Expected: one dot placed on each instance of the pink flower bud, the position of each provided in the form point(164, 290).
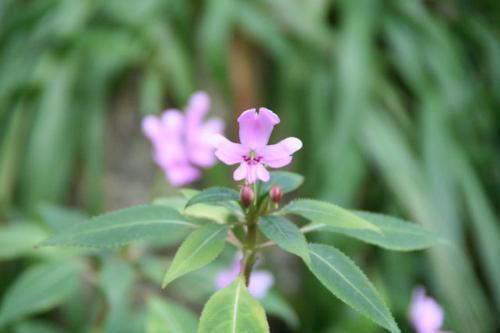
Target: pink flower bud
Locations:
point(276, 194)
point(246, 196)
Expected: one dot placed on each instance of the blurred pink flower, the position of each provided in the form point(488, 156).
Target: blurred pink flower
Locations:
point(425, 313)
point(254, 154)
point(181, 142)
point(260, 281)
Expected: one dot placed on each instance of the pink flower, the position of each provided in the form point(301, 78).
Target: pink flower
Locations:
point(260, 281)
point(181, 141)
point(425, 313)
point(254, 154)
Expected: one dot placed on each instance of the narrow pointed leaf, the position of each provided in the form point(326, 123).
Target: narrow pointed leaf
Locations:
point(285, 234)
point(214, 195)
point(166, 317)
point(346, 281)
point(198, 250)
point(40, 288)
point(396, 234)
point(124, 226)
point(233, 310)
point(326, 213)
point(287, 181)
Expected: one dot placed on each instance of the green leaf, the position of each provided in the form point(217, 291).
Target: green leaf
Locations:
point(198, 250)
point(167, 317)
point(199, 211)
point(233, 310)
point(396, 234)
point(285, 234)
point(40, 288)
point(275, 305)
point(19, 239)
point(124, 226)
point(287, 181)
point(36, 327)
point(326, 213)
point(59, 218)
point(117, 281)
point(346, 281)
point(214, 195)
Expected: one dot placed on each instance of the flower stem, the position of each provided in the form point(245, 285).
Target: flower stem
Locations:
point(250, 242)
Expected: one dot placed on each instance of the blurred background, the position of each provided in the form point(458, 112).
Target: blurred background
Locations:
point(397, 103)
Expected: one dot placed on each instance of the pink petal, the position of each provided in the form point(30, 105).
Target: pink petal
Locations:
point(200, 149)
point(279, 155)
point(181, 175)
point(425, 313)
point(197, 108)
point(262, 173)
point(260, 283)
point(228, 152)
point(256, 128)
point(252, 173)
point(241, 172)
point(172, 122)
point(151, 126)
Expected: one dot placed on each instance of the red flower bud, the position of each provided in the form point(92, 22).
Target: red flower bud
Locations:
point(276, 194)
point(246, 196)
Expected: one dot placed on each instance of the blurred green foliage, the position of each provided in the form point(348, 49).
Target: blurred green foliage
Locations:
point(396, 102)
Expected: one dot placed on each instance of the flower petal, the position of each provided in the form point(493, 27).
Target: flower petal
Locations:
point(425, 313)
point(198, 106)
point(279, 155)
point(256, 128)
point(252, 173)
point(262, 173)
point(172, 122)
point(241, 172)
point(199, 148)
point(151, 126)
point(228, 152)
point(182, 174)
point(260, 282)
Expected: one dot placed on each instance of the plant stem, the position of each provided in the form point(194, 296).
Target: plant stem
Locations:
point(249, 243)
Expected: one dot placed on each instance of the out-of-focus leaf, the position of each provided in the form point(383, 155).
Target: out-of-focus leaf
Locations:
point(40, 288)
point(214, 195)
point(285, 234)
point(287, 181)
point(276, 306)
point(485, 226)
point(167, 317)
point(54, 134)
point(346, 281)
point(327, 213)
point(59, 218)
point(233, 310)
point(452, 270)
point(117, 280)
point(151, 92)
point(19, 239)
point(395, 234)
point(124, 226)
point(36, 327)
point(198, 250)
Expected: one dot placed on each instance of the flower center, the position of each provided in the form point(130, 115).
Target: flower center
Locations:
point(252, 159)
